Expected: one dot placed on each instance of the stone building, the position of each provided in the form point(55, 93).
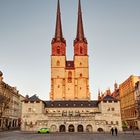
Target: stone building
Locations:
point(137, 102)
point(71, 116)
point(70, 108)
point(10, 106)
point(127, 93)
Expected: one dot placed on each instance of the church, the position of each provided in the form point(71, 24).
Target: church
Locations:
point(69, 79)
point(70, 108)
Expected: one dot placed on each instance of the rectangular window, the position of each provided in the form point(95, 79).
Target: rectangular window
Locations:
point(108, 109)
point(70, 113)
point(29, 109)
point(0, 122)
point(112, 109)
point(64, 113)
point(117, 122)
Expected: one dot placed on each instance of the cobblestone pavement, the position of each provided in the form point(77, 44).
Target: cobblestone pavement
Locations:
point(18, 135)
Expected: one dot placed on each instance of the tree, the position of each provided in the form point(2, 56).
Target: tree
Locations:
point(5, 99)
point(124, 125)
point(4, 104)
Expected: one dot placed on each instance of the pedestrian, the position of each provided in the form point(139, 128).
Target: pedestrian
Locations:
point(112, 131)
point(116, 131)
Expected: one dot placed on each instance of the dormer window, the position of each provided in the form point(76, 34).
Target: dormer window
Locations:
point(37, 101)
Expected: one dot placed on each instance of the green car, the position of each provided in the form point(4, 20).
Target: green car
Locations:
point(43, 130)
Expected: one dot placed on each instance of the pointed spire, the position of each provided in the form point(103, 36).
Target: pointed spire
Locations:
point(80, 30)
point(58, 29)
point(115, 86)
point(99, 94)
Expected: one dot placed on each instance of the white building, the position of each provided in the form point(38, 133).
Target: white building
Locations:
point(71, 116)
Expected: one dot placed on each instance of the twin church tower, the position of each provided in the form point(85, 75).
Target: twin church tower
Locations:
point(69, 79)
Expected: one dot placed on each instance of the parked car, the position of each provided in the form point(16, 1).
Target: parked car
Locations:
point(43, 130)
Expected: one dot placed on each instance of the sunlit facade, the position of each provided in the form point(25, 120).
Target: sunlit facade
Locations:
point(70, 108)
point(128, 101)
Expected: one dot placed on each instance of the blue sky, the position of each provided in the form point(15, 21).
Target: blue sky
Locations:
point(112, 28)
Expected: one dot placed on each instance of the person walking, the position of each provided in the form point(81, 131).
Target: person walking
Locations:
point(116, 131)
point(112, 131)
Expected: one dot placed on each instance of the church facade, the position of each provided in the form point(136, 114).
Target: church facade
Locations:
point(70, 108)
point(69, 79)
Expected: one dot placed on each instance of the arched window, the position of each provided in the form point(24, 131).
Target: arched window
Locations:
point(69, 74)
point(69, 77)
point(58, 50)
point(71, 128)
point(100, 130)
point(58, 63)
point(89, 128)
point(53, 128)
point(81, 50)
point(62, 128)
point(80, 128)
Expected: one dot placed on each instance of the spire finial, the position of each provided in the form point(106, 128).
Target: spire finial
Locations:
point(1, 78)
point(58, 28)
point(99, 94)
point(1, 74)
point(80, 30)
point(115, 86)
point(79, 7)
